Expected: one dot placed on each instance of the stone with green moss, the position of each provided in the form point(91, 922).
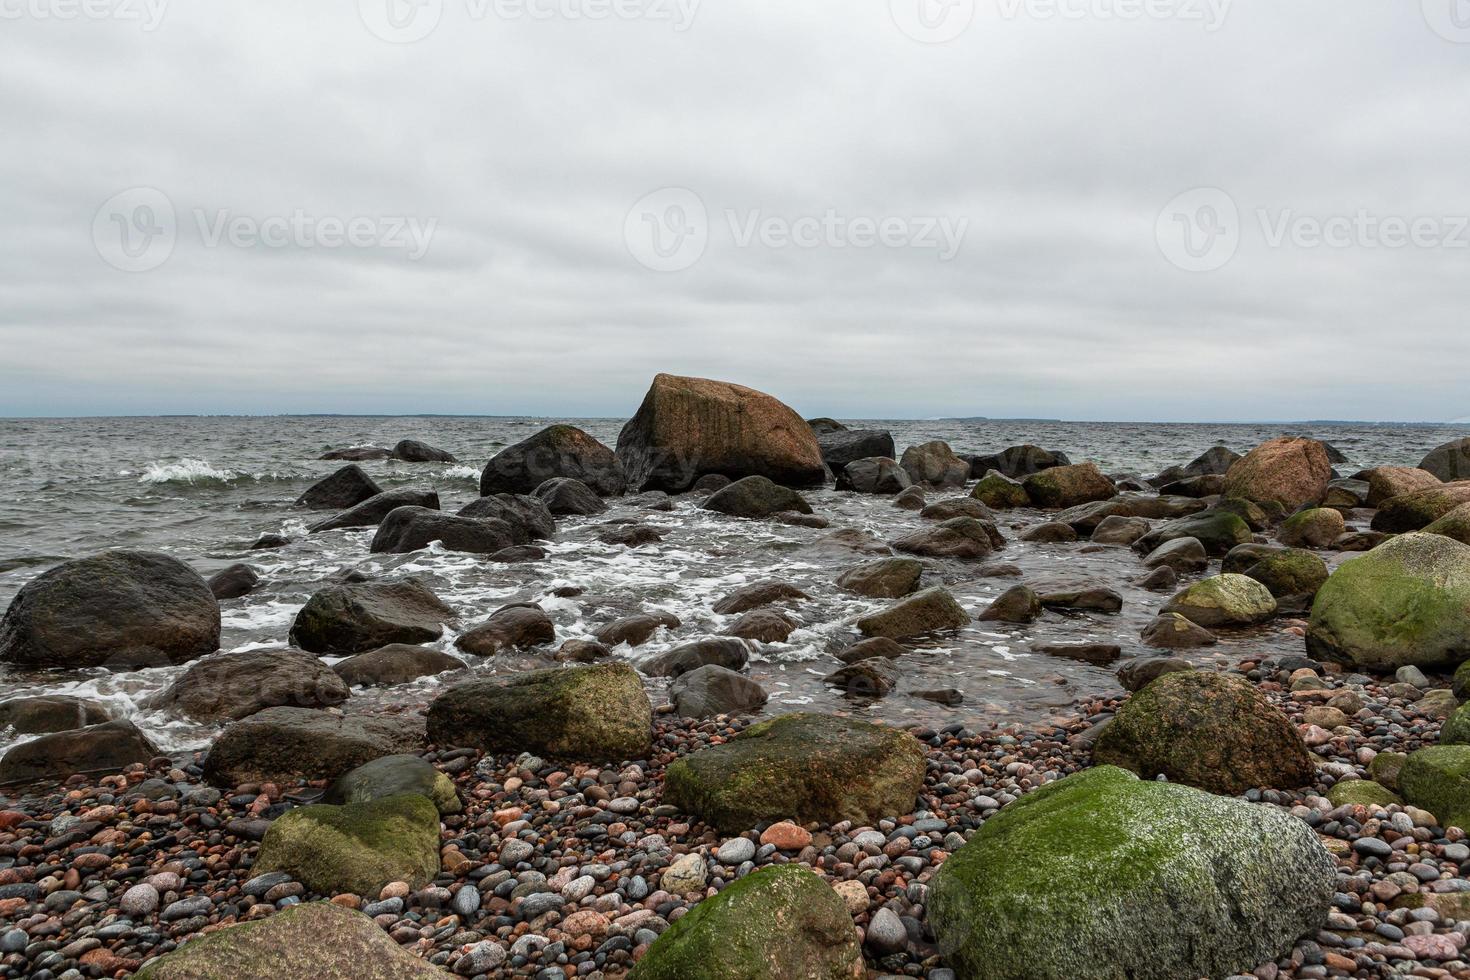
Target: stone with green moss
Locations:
point(595, 713)
point(1257, 515)
point(1456, 728)
point(1068, 486)
point(357, 848)
point(1455, 524)
point(1102, 875)
point(1437, 779)
point(394, 775)
point(1362, 792)
point(1418, 509)
point(927, 611)
point(1213, 731)
point(311, 941)
point(1000, 492)
point(1385, 769)
point(779, 923)
point(1460, 684)
point(803, 766)
point(1317, 527)
point(1224, 600)
point(1406, 602)
point(1289, 572)
point(1217, 530)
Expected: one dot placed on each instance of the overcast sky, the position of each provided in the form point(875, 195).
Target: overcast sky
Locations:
point(1086, 209)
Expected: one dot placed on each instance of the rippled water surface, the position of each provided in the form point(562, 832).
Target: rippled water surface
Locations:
point(203, 489)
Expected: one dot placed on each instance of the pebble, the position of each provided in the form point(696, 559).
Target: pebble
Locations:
point(736, 850)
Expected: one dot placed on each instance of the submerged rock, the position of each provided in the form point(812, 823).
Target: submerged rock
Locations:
point(556, 451)
point(410, 529)
point(1018, 604)
point(372, 511)
point(758, 594)
point(874, 677)
point(779, 923)
point(756, 497)
point(356, 848)
point(593, 713)
point(414, 451)
point(347, 487)
point(805, 767)
point(1138, 673)
point(928, 611)
point(233, 582)
point(117, 609)
point(637, 629)
point(396, 663)
point(1213, 731)
point(1102, 875)
point(363, 616)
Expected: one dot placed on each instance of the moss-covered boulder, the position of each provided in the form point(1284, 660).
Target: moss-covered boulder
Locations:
point(1318, 527)
point(1437, 779)
point(312, 941)
point(999, 492)
point(1456, 727)
point(1100, 876)
point(357, 848)
point(1405, 602)
point(1385, 769)
point(756, 497)
point(1455, 524)
point(596, 713)
point(1362, 792)
point(1387, 482)
point(1217, 530)
point(923, 612)
point(1288, 572)
point(1213, 731)
point(778, 923)
point(394, 775)
point(1068, 486)
point(1290, 471)
point(800, 766)
point(1417, 510)
point(1224, 600)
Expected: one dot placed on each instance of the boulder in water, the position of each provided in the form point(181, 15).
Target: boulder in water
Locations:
point(556, 451)
point(1000, 492)
point(372, 510)
point(565, 496)
point(1224, 600)
point(841, 448)
point(762, 626)
point(928, 611)
point(756, 497)
point(1102, 875)
point(1216, 530)
point(1068, 486)
point(357, 454)
point(410, 529)
point(396, 663)
point(637, 629)
point(1140, 672)
point(109, 747)
point(529, 515)
point(517, 627)
point(935, 466)
point(756, 595)
point(876, 475)
point(282, 744)
point(722, 651)
point(952, 507)
point(1185, 555)
point(1449, 462)
point(413, 451)
point(47, 713)
point(362, 616)
point(1290, 471)
point(1017, 462)
point(229, 686)
point(1018, 604)
point(233, 582)
point(1289, 572)
point(593, 713)
point(117, 609)
point(688, 427)
point(885, 578)
point(1387, 482)
point(959, 537)
point(347, 487)
point(715, 690)
point(1171, 631)
point(804, 767)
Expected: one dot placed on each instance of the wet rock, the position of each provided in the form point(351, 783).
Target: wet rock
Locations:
point(1171, 631)
point(347, 487)
point(1318, 527)
point(529, 515)
point(631, 535)
point(959, 537)
point(1138, 673)
point(357, 454)
point(886, 578)
point(372, 511)
point(910, 499)
point(1017, 462)
point(1000, 492)
point(1289, 572)
point(396, 663)
point(877, 646)
point(1290, 471)
point(1051, 532)
point(1217, 531)
point(952, 507)
point(1019, 604)
point(563, 496)
point(875, 475)
point(117, 609)
point(807, 767)
point(1224, 601)
point(1215, 461)
point(557, 451)
point(1068, 486)
point(1097, 654)
point(687, 427)
point(756, 497)
point(518, 627)
point(758, 594)
point(1213, 731)
point(1162, 579)
point(51, 713)
point(1186, 556)
point(839, 449)
point(928, 611)
point(1125, 877)
point(229, 686)
point(1449, 462)
point(233, 582)
point(108, 747)
point(355, 618)
point(871, 678)
point(410, 529)
point(1405, 602)
point(1387, 482)
point(583, 651)
point(935, 466)
point(269, 542)
point(728, 652)
point(637, 629)
point(714, 690)
point(414, 451)
point(593, 713)
point(394, 775)
point(763, 626)
point(1346, 495)
point(1080, 596)
point(1420, 508)
point(1116, 529)
point(284, 743)
point(357, 848)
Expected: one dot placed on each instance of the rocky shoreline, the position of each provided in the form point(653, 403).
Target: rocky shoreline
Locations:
point(592, 819)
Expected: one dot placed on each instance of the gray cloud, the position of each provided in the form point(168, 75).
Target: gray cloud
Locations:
point(1058, 140)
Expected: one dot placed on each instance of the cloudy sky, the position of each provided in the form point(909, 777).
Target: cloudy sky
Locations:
point(1087, 209)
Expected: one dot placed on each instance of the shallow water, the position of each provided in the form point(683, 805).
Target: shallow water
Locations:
point(203, 489)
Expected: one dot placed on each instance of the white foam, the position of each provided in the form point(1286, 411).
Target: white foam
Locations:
point(462, 472)
point(185, 471)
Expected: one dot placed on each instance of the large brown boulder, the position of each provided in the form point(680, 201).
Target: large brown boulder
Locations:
point(556, 451)
point(109, 747)
point(1068, 486)
point(1387, 482)
point(688, 427)
point(1418, 509)
point(362, 616)
point(1291, 471)
point(1449, 462)
point(934, 465)
point(117, 609)
point(234, 685)
point(281, 744)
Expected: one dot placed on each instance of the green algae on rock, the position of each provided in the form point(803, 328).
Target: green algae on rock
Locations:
point(801, 766)
point(1213, 731)
point(356, 848)
point(1224, 600)
point(1363, 792)
point(1406, 602)
point(1102, 875)
point(779, 923)
point(1437, 779)
point(312, 941)
point(1289, 572)
point(393, 775)
point(923, 612)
